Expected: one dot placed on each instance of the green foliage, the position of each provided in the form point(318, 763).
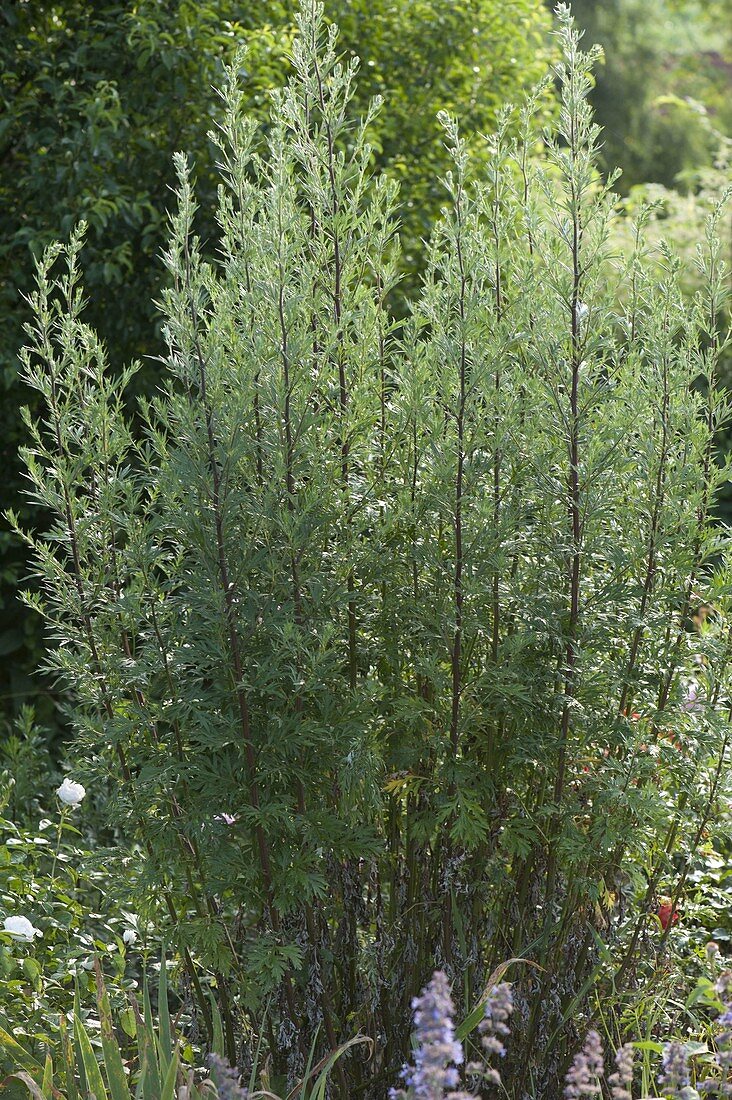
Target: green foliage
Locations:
point(663, 92)
point(49, 875)
point(679, 218)
point(25, 767)
point(425, 57)
point(140, 1057)
point(158, 1073)
point(397, 642)
point(95, 100)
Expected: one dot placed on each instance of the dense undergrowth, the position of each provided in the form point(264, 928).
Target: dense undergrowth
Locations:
point(394, 646)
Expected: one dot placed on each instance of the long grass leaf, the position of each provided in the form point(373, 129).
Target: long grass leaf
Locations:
point(18, 1054)
point(153, 1046)
point(168, 1092)
point(258, 1051)
point(47, 1086)
point(67, 1053)
point(33, 1087)
point(309, 1066)
point(166, 1034)
point(116, 1076)
point(77, 1049)
point(148, 1012)
point(474, 1017)
point(218, 1046)
point(36, 1090)
point(140, 1088)
point(150, 1076)
point(329, 1061)
point(92, 1072)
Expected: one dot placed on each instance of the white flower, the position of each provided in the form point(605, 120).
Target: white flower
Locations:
point(129, 936)
point(71, 793)
point(20, 928)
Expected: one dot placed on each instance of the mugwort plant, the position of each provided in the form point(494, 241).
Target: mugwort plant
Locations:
point(380, 630)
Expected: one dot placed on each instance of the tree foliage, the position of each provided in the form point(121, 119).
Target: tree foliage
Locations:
point(662, 93)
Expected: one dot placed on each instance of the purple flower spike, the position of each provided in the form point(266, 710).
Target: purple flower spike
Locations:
point(434, 1075)
point(621, 1081)
point(674, 1076)
point(583, 1079)
point(494, 1028)
point(226, 1078)
point(722, 1085)
point(724, 989)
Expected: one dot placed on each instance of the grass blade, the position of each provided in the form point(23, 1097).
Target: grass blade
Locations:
point(326, 1065)
point(309, 1066)
point(67, 1053)
point(140, 1089)
point(258, 1051)
point(47, 1086)
point(79, 1061)
point(116, 1075)
point(18, 1054)
point(166, 1034)
point(150, 1075)
point(474, 1017)
point(171, 1077)
point(217, 1045)
point(33, 1087)
point(92, 1072)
